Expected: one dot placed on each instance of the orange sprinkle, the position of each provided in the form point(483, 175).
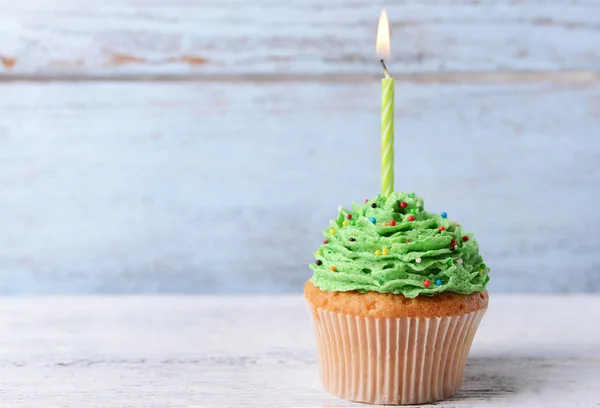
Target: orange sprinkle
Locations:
point(333, 269)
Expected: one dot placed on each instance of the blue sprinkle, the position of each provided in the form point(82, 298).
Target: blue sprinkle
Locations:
point(373, 220)
point(438, 282)
point(444, 215)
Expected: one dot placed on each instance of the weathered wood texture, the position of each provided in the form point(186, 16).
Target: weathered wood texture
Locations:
point(530, 351)
point(235, 36)
point(116, 187)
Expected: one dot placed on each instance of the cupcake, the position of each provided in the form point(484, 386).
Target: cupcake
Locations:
point(396, 296)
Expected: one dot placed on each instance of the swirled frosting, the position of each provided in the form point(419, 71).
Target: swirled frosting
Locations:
point(392, 245)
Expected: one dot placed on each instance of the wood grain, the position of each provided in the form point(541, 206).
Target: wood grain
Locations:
point(255, 351)
point(200, 187)
point(183, 37)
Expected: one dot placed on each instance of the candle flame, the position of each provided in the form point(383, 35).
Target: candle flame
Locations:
point(383, 37)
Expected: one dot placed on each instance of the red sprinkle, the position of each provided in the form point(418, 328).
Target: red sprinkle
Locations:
point(441, 228)
point(325, 242)
point(411, 218)
point(453, 243)
point(403, 204)
point(427, 283)
point(392, 223)
point(452, 248)
point(367, 200)
point(465, 238)
point(349, 216)
point(408, 241)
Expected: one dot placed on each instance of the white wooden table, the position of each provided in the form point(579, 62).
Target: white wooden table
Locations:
point(258, 351)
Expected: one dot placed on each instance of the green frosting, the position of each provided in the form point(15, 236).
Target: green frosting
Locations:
point(411, 258)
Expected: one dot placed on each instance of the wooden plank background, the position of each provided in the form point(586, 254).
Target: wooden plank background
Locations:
point(299, 36)
point(171, 146)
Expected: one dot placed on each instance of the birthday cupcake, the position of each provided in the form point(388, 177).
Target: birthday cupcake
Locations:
point(396, 297)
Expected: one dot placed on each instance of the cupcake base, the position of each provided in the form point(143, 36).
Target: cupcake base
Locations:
point(393, 360)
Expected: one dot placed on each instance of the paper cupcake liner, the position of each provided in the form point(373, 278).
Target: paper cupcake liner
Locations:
point(407, 360)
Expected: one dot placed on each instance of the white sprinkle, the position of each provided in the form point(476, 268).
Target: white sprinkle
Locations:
point(418, 260)
point(340, 208)
point(418, 204)
point(459, 261)
point(331, 221)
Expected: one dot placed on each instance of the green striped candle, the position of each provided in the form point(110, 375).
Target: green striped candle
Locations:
point(387, 109)
point(387, 135)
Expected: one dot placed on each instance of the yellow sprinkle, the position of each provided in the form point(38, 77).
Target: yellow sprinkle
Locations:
point(385, 224)
point(345, 223)
point(319, 252)
point(378, 252)
point(331, 231)
point(385, 251)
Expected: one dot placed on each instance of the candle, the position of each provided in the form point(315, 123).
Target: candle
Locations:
point(387, 108)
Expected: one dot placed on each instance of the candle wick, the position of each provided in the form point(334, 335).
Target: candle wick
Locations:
point(385, 71)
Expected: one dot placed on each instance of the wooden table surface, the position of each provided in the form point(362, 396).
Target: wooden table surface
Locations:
point(258, 351)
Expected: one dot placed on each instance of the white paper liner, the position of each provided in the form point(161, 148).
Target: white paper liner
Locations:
point(408, 360)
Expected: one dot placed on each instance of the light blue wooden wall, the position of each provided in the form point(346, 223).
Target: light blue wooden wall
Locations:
point(165, 146)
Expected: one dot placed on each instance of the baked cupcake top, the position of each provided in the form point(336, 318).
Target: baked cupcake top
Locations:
point(392, 245)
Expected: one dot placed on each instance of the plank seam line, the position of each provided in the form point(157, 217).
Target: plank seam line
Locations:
point(446, 77)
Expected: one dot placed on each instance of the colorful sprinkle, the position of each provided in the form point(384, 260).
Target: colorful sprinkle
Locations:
point(427, 283)
point(438, 282)
point(418, 204)
point(392, 223)
point(352, 222)
point(411, 218)
point(412, 211)
point(408, 241)
point(453, 243)
point(459, 261)
point(452, 248)
point(449, 262)
point(319, 252)
point(351, 239)
point(403, 204)
point(482, 266)
point(349, 216)
point(385, 224)
point(441, 228)
point(319, 262)
point(373, 205)
point(418, 260)
point(373, 220)
point(444, 214)
point(345, 223)
point(333, 269)
point(331, 231)
point(385, 251)
point(325, 242)
point(366, 200)
point(465, 238)
point(378, 252)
